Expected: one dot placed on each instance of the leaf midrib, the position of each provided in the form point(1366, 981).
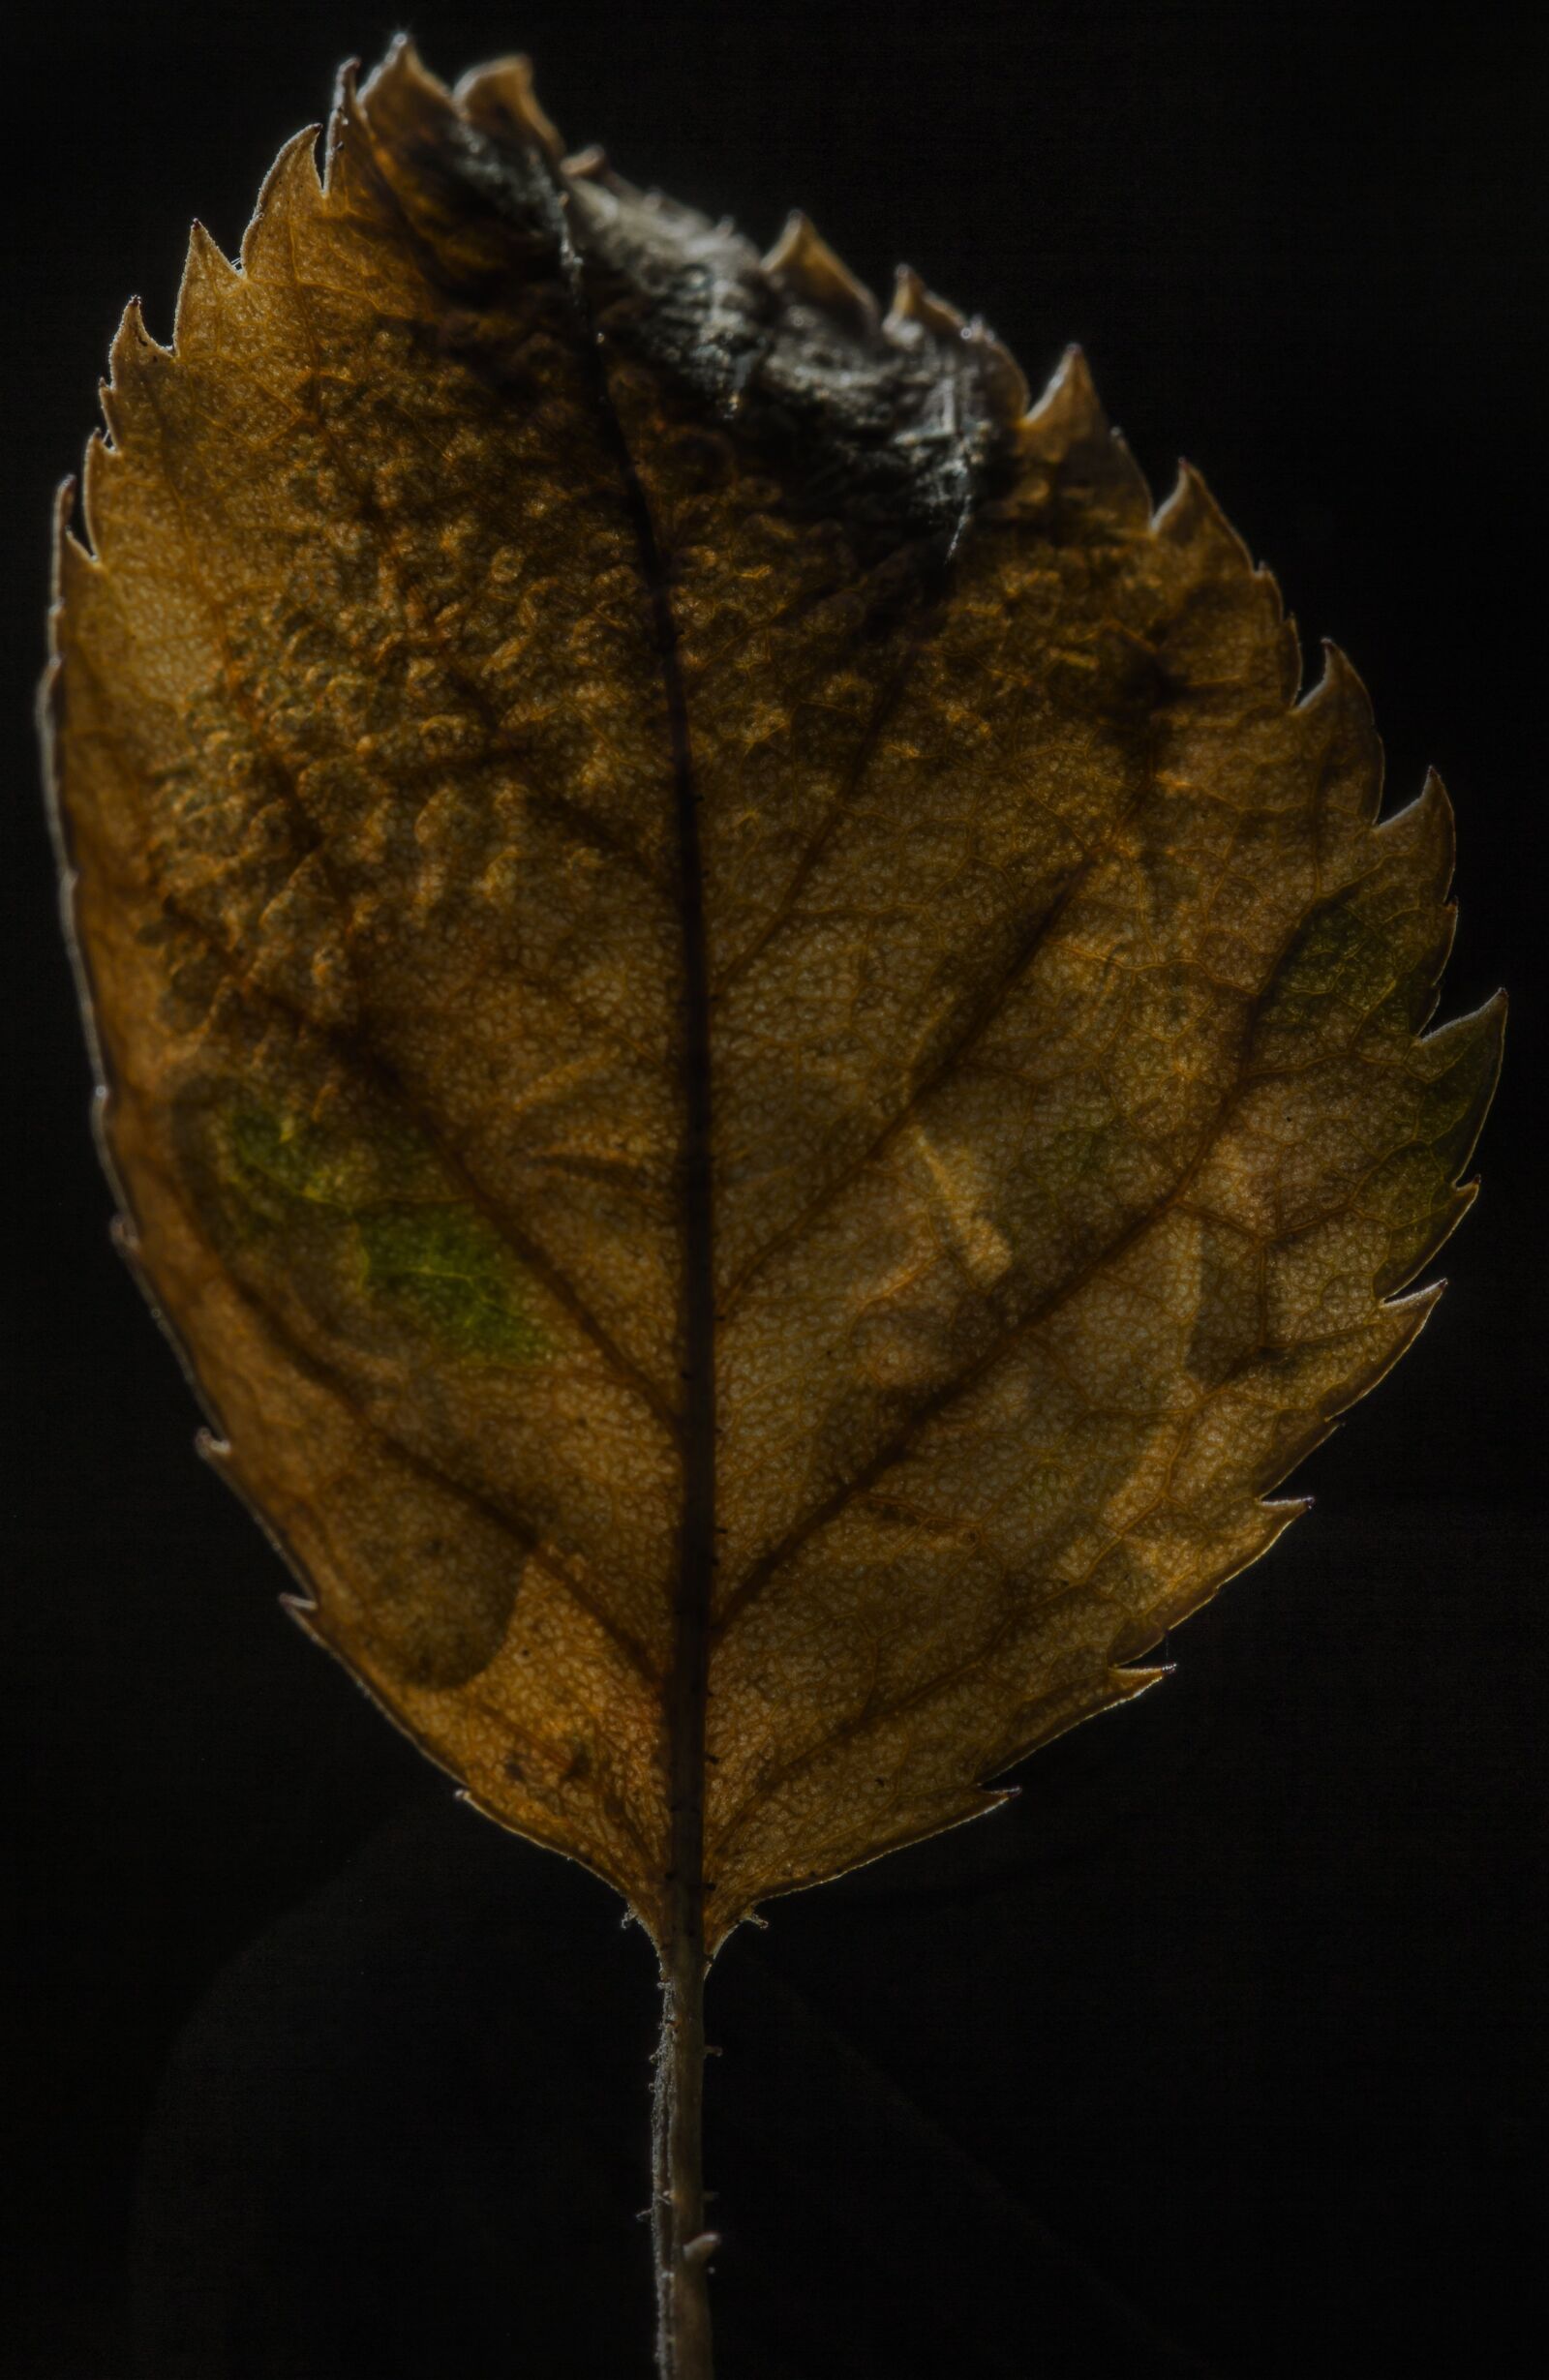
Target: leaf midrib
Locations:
point(685, 1696)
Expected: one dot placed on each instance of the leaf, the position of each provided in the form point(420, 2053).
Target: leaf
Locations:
point(768, 1069)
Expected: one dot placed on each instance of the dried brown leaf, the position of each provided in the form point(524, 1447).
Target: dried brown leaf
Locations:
point(768, 1068)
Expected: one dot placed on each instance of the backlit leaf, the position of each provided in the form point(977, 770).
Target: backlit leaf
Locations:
point(770, 1069)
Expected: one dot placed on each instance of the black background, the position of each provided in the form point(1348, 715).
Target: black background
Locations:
point(1220, 2051)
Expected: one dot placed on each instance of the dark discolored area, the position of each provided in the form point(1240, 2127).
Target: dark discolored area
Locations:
point(897, 430)
point(434, 1616)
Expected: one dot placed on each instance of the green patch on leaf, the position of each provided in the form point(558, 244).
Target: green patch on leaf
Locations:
point(446, 1264)
point(380, 1206)
point(277, 1160)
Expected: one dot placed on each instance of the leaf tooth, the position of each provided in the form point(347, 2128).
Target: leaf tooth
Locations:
point(1421, 1304)
point(1142, 1631)
point(72, 561)
point(1444, 1222)
point(1473, 1040)
point(403, 88)
point(342, 115)
point(1394, 1327)
point(98, 466)
point(914, 303)
point(1392, 1330)
point(1068, 433)
point(915, 311)
point(1124, 1683)
point(1469, 1047)
point(499, 97)
point(401, 113)
point(1289, 642)
point(588, 164)
point(1190, 514)
point(207, 258)
point(1425, 833)
point(1070, 408)
point(1339, 710)
point(303, 1609)
point(1433, 804)
point(804, 265)
point(208, 278)
point(1341, 685)
point(134, 360)
point(1001, 377)
point(290, 187)
point(1411, 1312)
point(131, 343)
point(1420, 840)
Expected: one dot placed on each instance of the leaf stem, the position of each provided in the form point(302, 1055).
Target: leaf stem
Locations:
point(683, 2246)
